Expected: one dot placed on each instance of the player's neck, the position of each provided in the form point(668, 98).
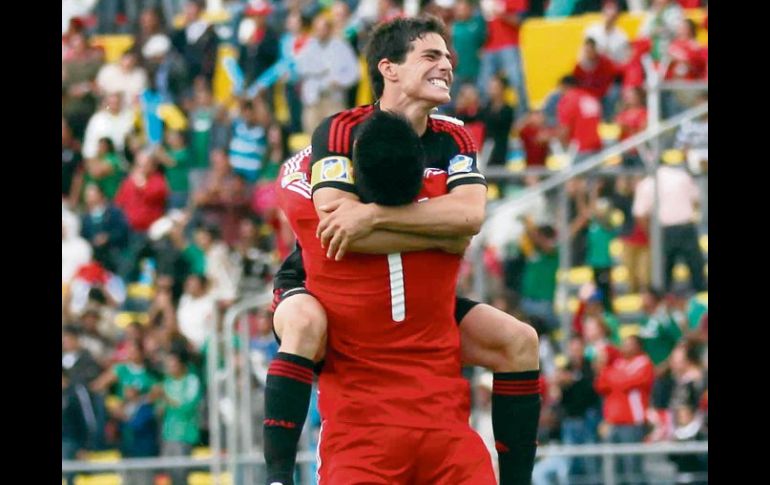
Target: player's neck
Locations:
point(415, 111)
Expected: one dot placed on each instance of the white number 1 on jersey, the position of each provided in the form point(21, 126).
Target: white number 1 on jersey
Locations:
point(397, 296)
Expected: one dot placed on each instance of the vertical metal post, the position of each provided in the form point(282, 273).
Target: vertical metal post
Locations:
point(608, 468)
point(565, 259)
point(215, 435)
point(479, 272)
point(232, 393)
point(653, 121)
point(247, 434)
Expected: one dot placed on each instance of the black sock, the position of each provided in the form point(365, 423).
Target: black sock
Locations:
point(287, 398)
point(515, 415)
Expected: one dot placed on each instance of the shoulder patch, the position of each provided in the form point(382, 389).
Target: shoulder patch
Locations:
point(450, 119)
point(460, 164)
point(332, 169)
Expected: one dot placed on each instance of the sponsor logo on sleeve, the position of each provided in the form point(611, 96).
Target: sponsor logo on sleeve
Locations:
point(333, 169)
point(460, 164)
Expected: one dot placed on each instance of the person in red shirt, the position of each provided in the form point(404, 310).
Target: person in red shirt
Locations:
point(501, 51)
point(596, 73)
point(142, 197)
point(579, 114)
point(392, 364)
point(535, 135)
point(626, 385)
point(687, 58)
point(632, 120)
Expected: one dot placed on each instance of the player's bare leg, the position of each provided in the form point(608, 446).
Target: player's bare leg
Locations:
point(508, 347)
point(300, 323)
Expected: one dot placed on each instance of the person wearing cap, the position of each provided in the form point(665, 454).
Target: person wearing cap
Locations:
point(259, 42)
point(165, 68)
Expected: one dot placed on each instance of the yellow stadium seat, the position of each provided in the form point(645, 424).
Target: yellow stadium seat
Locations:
point(580, 275)
point(703, 297)
point(620, 275)
point(609, 131)
point(704, 243)
point(140, 291)
point(561, 361)
point(628, 330)
point(114, 45)
point(106, 456)
point(613, 161)
point(201, 452)
point(99, 479)
point(123, 319)
point(298, 141)
point(616, 248)
point(617, 218)
point(493, 191)
point(205, 478)
point(628, 303)
point(556, 162)
point(681, 272)
point(516, 165)
point(558, 335)
point(673, 156)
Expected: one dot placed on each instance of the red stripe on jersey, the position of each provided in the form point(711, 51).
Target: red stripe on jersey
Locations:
point(360, 116)
point(339, 125)
point(460, 136)
point(290, 375)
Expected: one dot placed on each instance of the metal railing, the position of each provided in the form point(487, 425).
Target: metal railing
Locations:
point(608, 453)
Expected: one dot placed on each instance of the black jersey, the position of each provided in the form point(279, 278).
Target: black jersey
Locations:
point(447, 145)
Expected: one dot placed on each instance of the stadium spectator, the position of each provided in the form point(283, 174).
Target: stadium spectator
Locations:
point(197, 312)
point(660, 25)
point(591, 307)
point(251, 258)
point(600, 234)
point(112, 121)
point(467, 108)
point(626, 384)
point(501, 50)
point(538, 286)
point(218, 268)
point(174, 156)
point(74, 427)
point(75, 252)
point(327, 67)
point(469, 33)
point(149, 25)
point(498, 118)
point(578, 114)
point(632, 119)
point(92, 338)
point(581, 406)
point(202, 112)
point(124, 77)
point(92, 283)
point(197, 42)
point(610, 39)
point(686, 54)
point(693, 139)
point(134, 372)
point(166, 70)
point(181, 398)
point(535, 136)
point(138, 433)
point(259, 43)
point(80, 65)
point(215, 185)
point(678, 195)
point(659, 332)
point(248, 141)
point(105, 170)
point(597, 74)
point(80, 365)
point(71, 165)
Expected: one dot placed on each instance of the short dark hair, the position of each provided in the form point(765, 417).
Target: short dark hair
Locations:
point(569, 80)
point(388, 160)
point(393, 41)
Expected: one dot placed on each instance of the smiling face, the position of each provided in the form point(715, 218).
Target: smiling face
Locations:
point(426, 73)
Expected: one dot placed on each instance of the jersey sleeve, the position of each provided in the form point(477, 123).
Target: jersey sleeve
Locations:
point(462, 167)
point(331, 164)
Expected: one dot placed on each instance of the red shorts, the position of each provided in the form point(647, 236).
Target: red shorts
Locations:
point(391, 455)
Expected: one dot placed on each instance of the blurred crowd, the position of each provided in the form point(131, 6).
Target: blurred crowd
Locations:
point(169, 214)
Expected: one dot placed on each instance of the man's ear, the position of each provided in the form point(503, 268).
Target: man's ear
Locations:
point(388, 70)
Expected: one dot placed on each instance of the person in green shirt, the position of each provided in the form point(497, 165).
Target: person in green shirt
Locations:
point(538, 286)
point(134, 372)
point(600, 234)
point(180, 400)
point(469, 32)
point(175, 158)
point(659, 331)
point(106, 170)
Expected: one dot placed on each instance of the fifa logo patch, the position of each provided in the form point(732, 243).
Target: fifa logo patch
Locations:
point(460, 164)
point(335, 169)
